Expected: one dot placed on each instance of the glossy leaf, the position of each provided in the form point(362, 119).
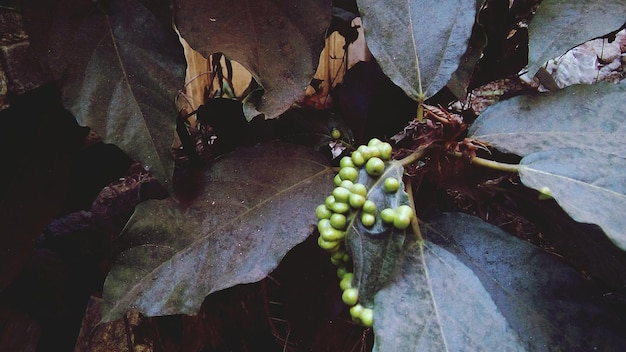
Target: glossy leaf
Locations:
point(589, 117)
point(279, 42)
point(255, 204)
point(376, 250)
point(561, 25)
point(589, 185)
point(471, 286)
point(399, 33)
point(120, 66)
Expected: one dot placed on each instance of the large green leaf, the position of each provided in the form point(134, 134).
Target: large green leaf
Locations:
point(278, 41)
point(253, 206)
point(473, 287)
point(120, 65)
point(559, 25)
point(589, 185)
point(583, 116)
point(376, 249)
point(398, 32)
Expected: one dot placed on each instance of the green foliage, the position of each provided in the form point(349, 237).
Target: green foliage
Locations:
point(465, 285)
point(278, 42)
point(561, 25)
point(246, 212)
point(121, 67)
point(474, 287)
point(400, 31)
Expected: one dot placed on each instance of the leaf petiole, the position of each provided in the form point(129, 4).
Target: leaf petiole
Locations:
point(496, 165)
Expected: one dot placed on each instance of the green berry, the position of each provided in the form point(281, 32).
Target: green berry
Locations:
point(402, 220)
point(369, 207)
point(346, 281)
point(329, 201)
point(385, 150)
point(340, 207)
point(327, 245)
point(357, 158)
point(350, 296)
point(338, 221)
point(341, 272)
point(335, 133)
point(356, 310)
point(337, 180)
point(347, 184)
point(391, 184)
point(332, 234)
point(365, 151)
point(374, 142)
point(368, 219)
point(341, 194)
point(322, 212)
point(375, 167)
point(360, 189)
point(388, 215)
point(346, 161)
point(545, 193)
point(367, 317)
point(349, 173)
point(356, 200)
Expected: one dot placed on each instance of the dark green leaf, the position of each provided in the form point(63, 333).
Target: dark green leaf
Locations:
point(254, 205)
point(120, 65)
point(376, 250)
point(398, 32)
point(561, 25)
point(473, 287)
point(279, 42)
point(590, 186)
point(583, 116)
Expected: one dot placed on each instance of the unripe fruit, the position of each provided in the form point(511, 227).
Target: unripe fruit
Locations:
point(369, 207)
point(332, 234)
point(356, 200)
point(338, 221)
point(322, 212)
point(368, 219)
point(329, 201)
point(336, 134)
point(341, 194)
point(349, 173)
point(403, 217)
point(350, 296)
point(545, 193)
point(374, 142)
point(357, 158)
point(391, 184)
point(388, 215)
point(405, 209)
point(347, 184)
point(360, 189)
point(385, 150)
point(340, 207)
point(323, 225)
point(356, 310)
point(341, 272)
point(346, 281)
point(365, 151)
point(327, 245)
point(346, 161)
point(375, 167)
point(367, 317)
point(337, 180)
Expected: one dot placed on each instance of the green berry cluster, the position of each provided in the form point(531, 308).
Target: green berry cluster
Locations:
point(349, 203)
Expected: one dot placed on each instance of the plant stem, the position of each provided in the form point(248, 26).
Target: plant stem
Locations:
point(412, 157)
point(496, 165)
